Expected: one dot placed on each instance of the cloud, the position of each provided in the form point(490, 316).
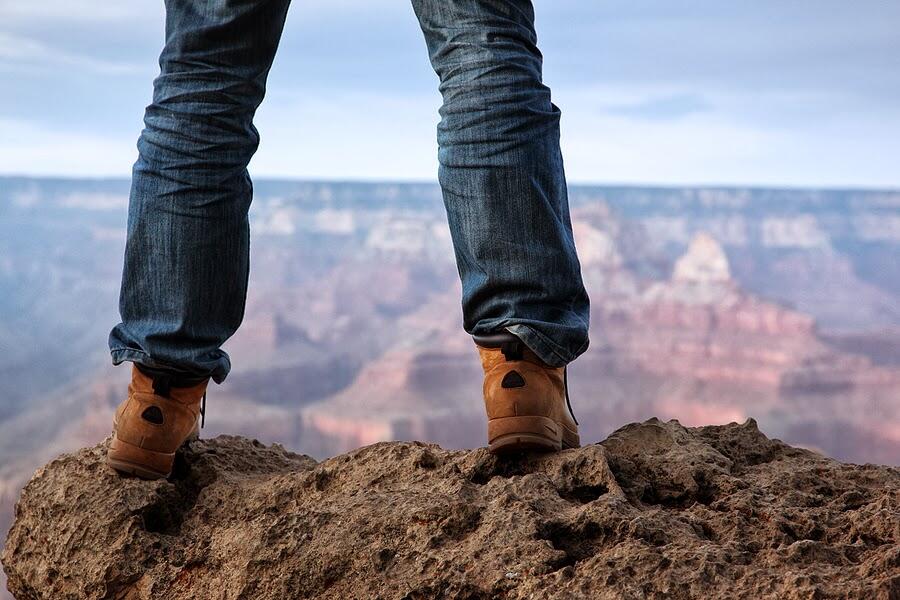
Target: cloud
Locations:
point(21, 53)
point(767, 92)
point(105, 13)
point(68, 11)
point(663, 108)
point(746, 47)
point(727, 144)
point(358, 135)
point(32, 149)
point(381, 137)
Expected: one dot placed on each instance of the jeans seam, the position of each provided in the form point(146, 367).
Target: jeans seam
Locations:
point(135, 351)
point(555, 348)
point(126, 349)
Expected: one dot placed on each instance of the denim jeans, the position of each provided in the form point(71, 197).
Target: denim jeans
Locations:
point(501, 171)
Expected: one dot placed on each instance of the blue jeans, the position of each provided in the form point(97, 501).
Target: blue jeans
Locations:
point(501, 171)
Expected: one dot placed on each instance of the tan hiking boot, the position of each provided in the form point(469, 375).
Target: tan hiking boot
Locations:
point(152, 424)
point(526, 401)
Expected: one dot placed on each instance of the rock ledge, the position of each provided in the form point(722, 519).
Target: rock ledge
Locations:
point(657, 510)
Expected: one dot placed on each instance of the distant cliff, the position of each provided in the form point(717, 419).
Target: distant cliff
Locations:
point(657, 510)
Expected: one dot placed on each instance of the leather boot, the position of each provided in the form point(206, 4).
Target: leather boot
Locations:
point(526, 401)
point(153, 422)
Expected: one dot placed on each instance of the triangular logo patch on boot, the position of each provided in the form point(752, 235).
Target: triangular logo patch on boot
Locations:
point(513, 380)
point(153, 414)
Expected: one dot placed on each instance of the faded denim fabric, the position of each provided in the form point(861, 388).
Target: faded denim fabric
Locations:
point(186, 266)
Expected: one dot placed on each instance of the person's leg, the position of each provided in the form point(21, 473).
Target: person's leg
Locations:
point(187, 253)
point(501, 173)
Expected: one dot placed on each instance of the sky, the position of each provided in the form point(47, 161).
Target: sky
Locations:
point(801, 93)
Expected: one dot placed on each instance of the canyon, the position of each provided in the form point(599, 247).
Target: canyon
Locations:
point(708, 305)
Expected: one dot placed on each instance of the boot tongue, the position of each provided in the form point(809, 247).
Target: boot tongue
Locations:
point(513, 349)
point(162, 385)
point(178, 387)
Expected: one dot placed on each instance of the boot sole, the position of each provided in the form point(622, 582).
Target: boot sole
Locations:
point(133, 460)
point(518, 434)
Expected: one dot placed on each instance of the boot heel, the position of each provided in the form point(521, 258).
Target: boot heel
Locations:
point(513, 434)
point(134, 460)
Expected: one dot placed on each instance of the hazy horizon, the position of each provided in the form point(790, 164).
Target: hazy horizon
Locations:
point(126, 179)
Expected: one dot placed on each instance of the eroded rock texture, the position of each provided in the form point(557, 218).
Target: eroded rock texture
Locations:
point(655, 511)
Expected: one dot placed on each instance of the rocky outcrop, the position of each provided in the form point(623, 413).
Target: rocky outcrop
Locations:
point(704, 262)
point(655, 511)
